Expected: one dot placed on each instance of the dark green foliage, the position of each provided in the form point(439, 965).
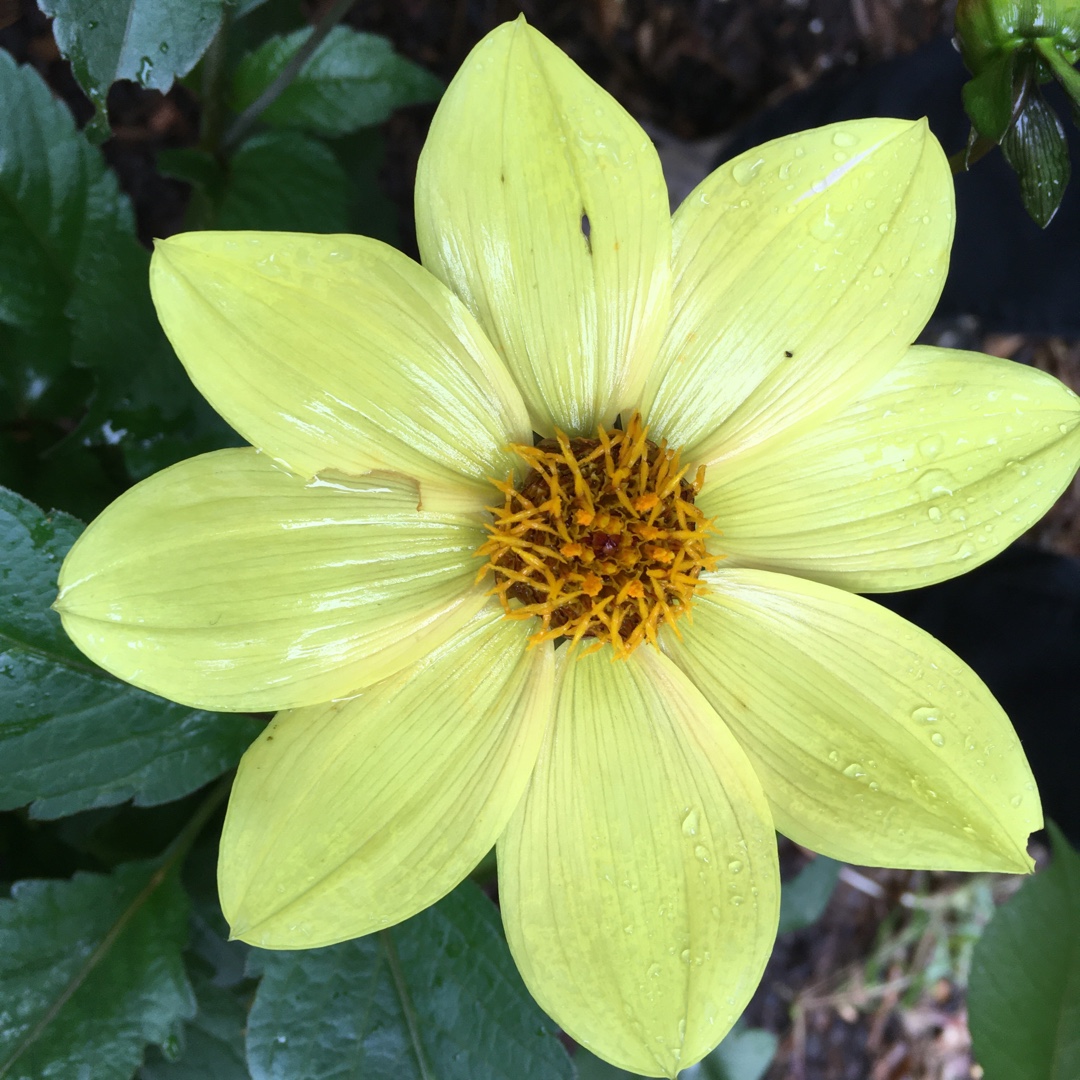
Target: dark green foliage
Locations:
point(1024, 993)
point(351, 81)
point(90, 972)
point(150, 42)
point(441, 987)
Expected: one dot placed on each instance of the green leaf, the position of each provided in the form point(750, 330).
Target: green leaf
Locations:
point(90, 972)
point(71, 736)
point(150, 42)
point(352, 80)
point(371, 212)
point(744, 1054)
point(441, 987)
point(803, 899)
point(988, 98)
point(1024, 992)
point(51, 185)
point(284, 180)
point(74, 287)
point(211, 1046)
point(1035, 147)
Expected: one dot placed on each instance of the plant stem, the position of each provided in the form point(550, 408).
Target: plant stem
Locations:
point(243, 124)
point(187, 836)
point(962, 160)
point(213, 87)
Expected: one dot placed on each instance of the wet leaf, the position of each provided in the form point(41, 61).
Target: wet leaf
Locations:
point(1035, 147)
point(94, 965)
point(441, 986)
point(150, 42)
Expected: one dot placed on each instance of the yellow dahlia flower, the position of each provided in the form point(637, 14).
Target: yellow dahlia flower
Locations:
point(440, 490)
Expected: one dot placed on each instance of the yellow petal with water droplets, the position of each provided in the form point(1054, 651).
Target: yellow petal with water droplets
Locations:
point(875, 744)
point(340, 355)
point(351, 816)
point(225, 582)
point(638, 879)
point(541, 202)
point(930, 472)
point(803, 271)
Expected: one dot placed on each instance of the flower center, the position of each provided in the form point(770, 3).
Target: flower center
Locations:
point(600, 540)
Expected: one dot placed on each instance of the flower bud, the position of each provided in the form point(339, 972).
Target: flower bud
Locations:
point(985, 29)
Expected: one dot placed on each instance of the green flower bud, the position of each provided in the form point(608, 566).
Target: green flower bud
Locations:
point(985, 29)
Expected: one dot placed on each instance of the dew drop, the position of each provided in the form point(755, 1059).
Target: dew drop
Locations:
point(930, 446)
point(146, 69)
point(702, 853)
point(934, 513)
point(744, 170)
point(844, 138)
point(736, 900)
point(937, 739)
point(854, 771)
point(734, 866)
point(690, 824)
point(825, 228)
point(654, 971)
point(684, 956)
point(1016, 800)
point(925, 715)
point(834, 756)
point(874, 786)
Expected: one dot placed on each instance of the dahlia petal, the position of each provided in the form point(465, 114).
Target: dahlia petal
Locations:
point(339, 354)
point(225, 582)
point(874, 743)
point(351, 816)
point(638, 878)
point(930, 472)
point(803, 271)
point(542, 203)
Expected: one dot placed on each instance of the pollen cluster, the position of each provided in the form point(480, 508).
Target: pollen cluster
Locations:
point(600, 540)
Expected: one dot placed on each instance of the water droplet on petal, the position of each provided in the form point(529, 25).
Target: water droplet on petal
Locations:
point(690, 824)
point(734, 866)
point(937, 739)
point(745, 169)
